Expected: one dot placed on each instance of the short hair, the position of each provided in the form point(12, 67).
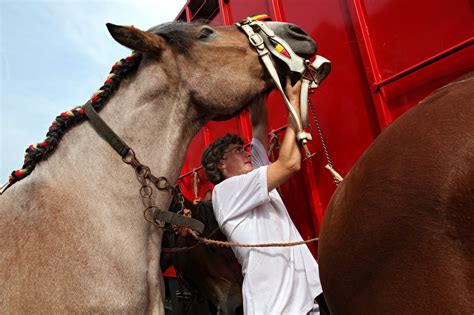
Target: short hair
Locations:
point(214, 153)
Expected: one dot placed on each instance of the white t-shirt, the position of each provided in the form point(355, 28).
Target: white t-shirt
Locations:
point(277, 280)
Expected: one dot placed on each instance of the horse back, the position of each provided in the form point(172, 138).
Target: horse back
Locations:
point(397, 235)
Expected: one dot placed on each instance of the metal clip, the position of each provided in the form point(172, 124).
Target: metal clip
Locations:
point(309, 155)
point(335, 175)
point(255, 39)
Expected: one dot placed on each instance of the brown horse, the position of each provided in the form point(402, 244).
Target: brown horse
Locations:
point(213, 272)
point(73, 237)
point(398, 233)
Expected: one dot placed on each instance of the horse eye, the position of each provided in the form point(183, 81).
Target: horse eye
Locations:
point(205, 32)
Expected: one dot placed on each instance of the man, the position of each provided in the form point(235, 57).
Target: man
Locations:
point(277, 280)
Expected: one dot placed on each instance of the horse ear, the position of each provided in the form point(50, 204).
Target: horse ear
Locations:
point(136, 39)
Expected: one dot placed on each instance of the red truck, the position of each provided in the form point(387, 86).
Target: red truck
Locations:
point(386, 55)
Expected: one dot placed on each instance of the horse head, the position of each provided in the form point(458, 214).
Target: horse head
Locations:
point(205, 61)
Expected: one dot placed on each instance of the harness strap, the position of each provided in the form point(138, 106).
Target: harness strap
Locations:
point(315, 73)
point(176, 219)
point(259, 43)
point(105, 131)
point(301, 135)
point(123, 149)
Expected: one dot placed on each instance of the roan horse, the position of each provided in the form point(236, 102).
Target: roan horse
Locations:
point(398, 233)
point(73, 234)
point(213, 272)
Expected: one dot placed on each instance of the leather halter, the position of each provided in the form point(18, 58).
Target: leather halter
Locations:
point(128, 156)
point(267, 45)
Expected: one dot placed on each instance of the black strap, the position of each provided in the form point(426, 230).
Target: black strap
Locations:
point(105, 131)
point(122, 148)
point(176, 219)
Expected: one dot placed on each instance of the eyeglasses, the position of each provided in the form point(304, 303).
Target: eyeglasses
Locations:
point(239, 149)
point(236, 149)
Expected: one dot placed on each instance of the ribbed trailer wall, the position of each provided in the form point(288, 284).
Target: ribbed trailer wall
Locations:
point(387, 55)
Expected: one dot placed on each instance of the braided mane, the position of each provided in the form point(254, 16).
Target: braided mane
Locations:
point(40, 151)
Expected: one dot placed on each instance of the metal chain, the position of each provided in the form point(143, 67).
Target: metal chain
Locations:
point(211, 242)
point(320, 132)
point(144, 176)
point(335, 175)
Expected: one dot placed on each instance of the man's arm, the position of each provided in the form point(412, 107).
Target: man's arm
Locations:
point(289, 159)
point(258, 117)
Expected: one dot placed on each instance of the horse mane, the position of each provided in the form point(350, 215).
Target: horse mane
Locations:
point(180, 35)
point(66, 120)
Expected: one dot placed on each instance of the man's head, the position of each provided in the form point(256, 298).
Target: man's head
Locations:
point(224, 158)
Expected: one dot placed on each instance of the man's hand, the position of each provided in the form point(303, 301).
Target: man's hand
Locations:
point(293, 94)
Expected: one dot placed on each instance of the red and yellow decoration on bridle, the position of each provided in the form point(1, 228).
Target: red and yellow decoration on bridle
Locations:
point(266, 18)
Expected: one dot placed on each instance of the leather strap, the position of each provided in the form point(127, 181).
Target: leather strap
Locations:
point(176, 219)
point(260, 43)
point(122, 148)
point(105, 131)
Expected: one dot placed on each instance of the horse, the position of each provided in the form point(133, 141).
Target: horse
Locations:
point(213, 272)
point(397, 236)
point(73, 238)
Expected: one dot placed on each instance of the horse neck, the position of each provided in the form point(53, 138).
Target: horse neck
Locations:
point(151, 113)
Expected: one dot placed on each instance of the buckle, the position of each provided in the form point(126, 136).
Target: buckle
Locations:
point(256, 39)
point(259, 17)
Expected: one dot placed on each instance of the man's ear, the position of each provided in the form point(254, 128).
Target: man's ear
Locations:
point(221, 166)
point(136, 39)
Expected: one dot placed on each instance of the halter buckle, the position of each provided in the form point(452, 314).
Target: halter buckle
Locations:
point(255, 39)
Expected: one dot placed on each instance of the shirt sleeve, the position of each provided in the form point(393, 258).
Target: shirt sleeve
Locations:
point(239, 194)
point(259, 155)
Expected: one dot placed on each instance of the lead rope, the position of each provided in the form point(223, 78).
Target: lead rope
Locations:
point(210, 242)
point(329, 166)
point(274, 144)
point(183, 231)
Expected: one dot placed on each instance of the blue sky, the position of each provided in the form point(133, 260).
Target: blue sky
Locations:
point(54, 55)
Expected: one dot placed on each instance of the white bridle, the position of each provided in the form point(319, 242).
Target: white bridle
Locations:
point(312, 73)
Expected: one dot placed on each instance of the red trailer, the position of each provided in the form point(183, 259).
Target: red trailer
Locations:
point(386, 56)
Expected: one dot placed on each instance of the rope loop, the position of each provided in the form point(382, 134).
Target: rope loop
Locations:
point(274, 143)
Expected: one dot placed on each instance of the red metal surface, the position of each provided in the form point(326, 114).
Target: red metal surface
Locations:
point(459, 47)
point(380, 102)
point(403, 33)
point(370, 43)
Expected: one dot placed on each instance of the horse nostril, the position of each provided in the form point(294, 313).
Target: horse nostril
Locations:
point(296, 29)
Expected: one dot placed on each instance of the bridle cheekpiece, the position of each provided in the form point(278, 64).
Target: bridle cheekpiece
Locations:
point(268, 45)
